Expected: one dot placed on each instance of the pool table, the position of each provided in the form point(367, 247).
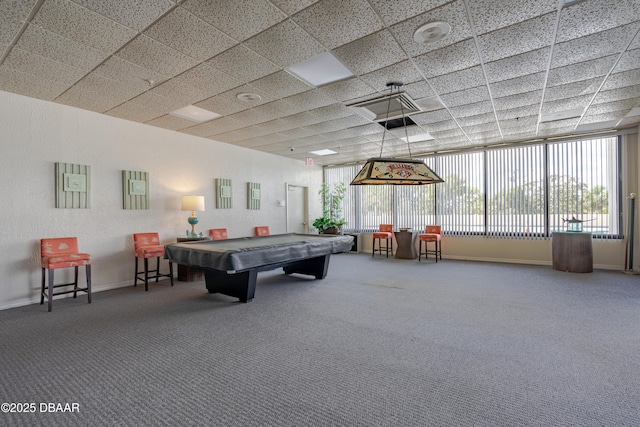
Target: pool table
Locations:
point(231, 266)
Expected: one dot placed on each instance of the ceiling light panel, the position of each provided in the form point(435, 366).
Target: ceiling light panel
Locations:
point(196, 114)
point(321, 70)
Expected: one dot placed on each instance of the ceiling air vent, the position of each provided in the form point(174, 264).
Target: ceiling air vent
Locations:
point(398, 104)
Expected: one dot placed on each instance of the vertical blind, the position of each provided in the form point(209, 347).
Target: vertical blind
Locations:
point(524, 192)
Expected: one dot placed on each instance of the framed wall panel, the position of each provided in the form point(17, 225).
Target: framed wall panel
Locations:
point(253, 195)
point(135, 190)
point(73, 186)
point(223, 193)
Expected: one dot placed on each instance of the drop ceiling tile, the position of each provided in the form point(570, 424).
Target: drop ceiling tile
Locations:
point(9, 28)
point(171, 122)
point(608, 119)
point(309, 100)
point(190, 35)
point(617, 94)
point(519, 38)
point(160, 104)
point(448, 134)
point(252, 116)
point(635, 44)
point(214, 127)
point(280, 84)
point(230, 16)
point(490, 15)
point(151, 54)
point(587, 17)
point(471, 109)
point(593, 46)
point(78, 23)
point(228, 103)
point(18, 82)
point(403, 72)
point(137, 14)
point(371, 129)
point(452, 58)
point(432, 117)
point(440, 126)
point(17, 10)
point(518, 65)
point(420, 89)
point(117, 69)
point(208, 81)
point(628, 61)
point(392, 14)
point(312, 140)
point(285, 44)
point(626, 78)
point(452, 13)
point(571, 90)
point(178, 91)
point(581, 71)
point(97, 93)
point(292, 6)
point(133, 111)
point(348, 90)
point(476, 120)
point(623, 105)
point(39, 41)
point(337, 22)
point(41, 68)
point(519, 100)
point(518, 124)
point(516, 85)
point(276, 109)
point(370, 53)
point(559, 126)
point(243, 63)
point(514, 113)
point(566, 104)
point(467, 96)
point(296, 133)
point(459, 80)
point(520, 136)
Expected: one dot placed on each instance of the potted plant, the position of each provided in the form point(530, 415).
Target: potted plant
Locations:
point(331, 221)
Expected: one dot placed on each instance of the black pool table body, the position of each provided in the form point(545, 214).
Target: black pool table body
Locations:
point(231, 266)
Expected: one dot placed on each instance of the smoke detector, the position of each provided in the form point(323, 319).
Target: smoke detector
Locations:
point(248, 97)
point(431, 32)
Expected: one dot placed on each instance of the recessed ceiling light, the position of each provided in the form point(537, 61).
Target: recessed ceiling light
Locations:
point(588, 127)
point(320, 70)
point(431, 32)
point(196, 114)
point(248, 97)
point(561, 115)
point(418, 138)
point(324, 152)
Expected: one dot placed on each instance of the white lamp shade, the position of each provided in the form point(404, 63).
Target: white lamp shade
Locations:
point(193, 203)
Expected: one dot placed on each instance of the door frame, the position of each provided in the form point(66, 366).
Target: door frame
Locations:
point(305, 196)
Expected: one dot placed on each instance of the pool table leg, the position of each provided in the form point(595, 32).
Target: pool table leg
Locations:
point(239, 285)
point(317, 266)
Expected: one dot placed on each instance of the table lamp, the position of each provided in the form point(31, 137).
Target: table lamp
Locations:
point(193, 204)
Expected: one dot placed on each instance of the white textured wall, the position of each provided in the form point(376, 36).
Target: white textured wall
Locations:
point(35, 134)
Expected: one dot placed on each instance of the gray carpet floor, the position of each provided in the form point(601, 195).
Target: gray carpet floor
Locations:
point(379, 342)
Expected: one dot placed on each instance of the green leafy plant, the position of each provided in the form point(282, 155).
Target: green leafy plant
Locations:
point(331, 196)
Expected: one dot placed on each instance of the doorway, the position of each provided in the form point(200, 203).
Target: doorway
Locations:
point(297, 209)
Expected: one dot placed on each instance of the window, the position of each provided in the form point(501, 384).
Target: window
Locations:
point(524, 191)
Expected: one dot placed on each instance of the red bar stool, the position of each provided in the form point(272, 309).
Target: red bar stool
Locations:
point(62, 252)
point(147, 245)
point(386, 234)
point(432, 233)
